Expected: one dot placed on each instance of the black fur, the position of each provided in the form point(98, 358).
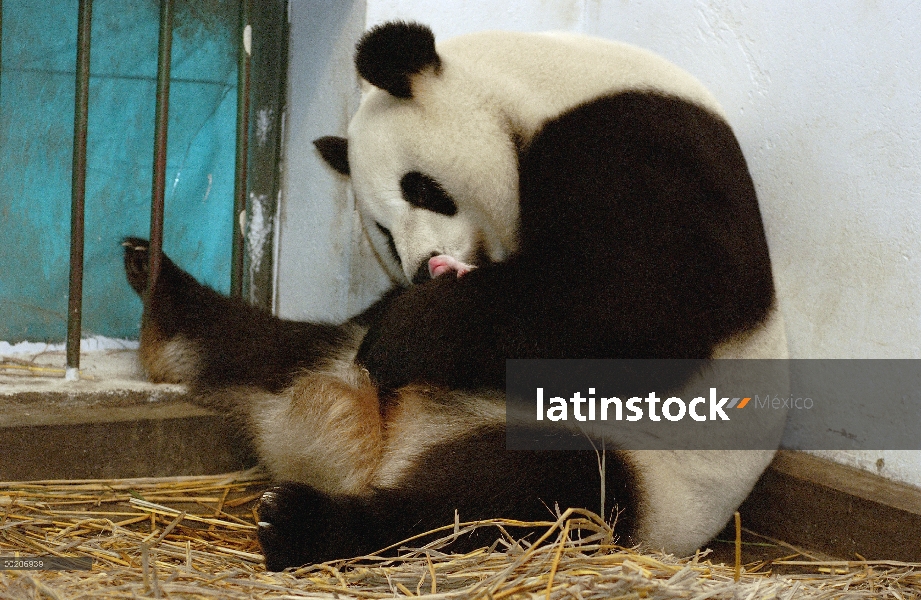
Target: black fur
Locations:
point(640, 237)
point(335, 151)
point(389, 54)
point(240, 344)
point(476, 476)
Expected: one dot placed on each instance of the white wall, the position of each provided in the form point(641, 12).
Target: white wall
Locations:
point(325, 268)
point(826, 104)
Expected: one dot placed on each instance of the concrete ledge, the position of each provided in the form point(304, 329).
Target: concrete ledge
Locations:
point(111, 424)
point(129, 448)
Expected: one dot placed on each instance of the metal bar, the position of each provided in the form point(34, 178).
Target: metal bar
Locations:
point(78, 189)
point(268, 69)
point(161, 122)
point(244, 55)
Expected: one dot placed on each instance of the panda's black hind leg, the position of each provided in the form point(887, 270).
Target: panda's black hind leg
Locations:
point(177, 304)
point(282, 524)
point(474, 478)
point(176, 327)
point(299, 525)
point(190, 333)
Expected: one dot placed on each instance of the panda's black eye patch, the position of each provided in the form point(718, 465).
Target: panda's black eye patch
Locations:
point(422, 191)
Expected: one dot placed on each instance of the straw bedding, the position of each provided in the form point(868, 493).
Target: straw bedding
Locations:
point(194, 537)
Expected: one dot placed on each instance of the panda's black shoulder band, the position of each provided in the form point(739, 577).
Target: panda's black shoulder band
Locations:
point(389, 54)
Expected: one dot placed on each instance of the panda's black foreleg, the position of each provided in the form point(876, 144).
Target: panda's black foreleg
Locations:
point(192, 334)
point(458, 332)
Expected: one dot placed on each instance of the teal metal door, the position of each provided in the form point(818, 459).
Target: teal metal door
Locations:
point(36, 136)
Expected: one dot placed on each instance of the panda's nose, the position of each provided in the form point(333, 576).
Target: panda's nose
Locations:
point(422, 273)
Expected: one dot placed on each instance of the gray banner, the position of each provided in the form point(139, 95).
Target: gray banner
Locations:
point(810, 404)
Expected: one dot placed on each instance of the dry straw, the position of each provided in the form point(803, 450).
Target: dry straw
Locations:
point(193, 537)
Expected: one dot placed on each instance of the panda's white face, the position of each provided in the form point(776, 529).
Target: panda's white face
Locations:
point(437, 172)
point(433, 148)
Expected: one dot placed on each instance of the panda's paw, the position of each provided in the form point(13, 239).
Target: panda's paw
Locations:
point(137, 263)
point(296, 526)
point(282, 522)
point(416, 340)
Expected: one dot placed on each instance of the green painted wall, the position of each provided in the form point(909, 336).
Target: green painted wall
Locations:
point(36, 137)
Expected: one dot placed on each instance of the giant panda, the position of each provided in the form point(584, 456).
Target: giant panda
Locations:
point(542, 196)
point(600, 183)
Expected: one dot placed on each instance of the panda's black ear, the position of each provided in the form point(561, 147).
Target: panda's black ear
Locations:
point(335, 151)
point(389, 54)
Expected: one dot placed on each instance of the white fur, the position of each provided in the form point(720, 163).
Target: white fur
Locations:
point(327, 430)
point(462, 124)
point(689, 495)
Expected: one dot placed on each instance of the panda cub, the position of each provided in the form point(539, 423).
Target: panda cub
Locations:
point(542, 196)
